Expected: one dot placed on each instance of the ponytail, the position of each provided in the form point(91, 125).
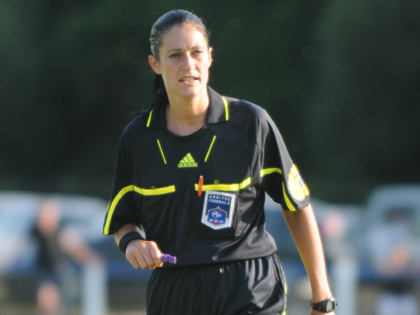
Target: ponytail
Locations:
point(160, 97)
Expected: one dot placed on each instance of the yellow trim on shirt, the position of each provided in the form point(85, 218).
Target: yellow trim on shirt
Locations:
point(267, 171)
point(226, 108)
point(211, 146)
point(150, 118)
point(286, 198)
point(154, 191)
point(161, 151)
point(226, 187)
point(142, 191)
point(113, 204)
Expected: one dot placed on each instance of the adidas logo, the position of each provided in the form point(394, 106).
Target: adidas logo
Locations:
point(187, 161)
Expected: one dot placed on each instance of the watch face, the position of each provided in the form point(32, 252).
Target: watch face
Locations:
point(330, 306)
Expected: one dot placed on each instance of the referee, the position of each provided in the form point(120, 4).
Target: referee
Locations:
point(190, 179)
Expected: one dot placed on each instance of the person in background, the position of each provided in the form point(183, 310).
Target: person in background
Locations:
point(55, 246)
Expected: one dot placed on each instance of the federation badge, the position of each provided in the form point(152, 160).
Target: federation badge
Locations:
point(296, 185)
point(218, 210)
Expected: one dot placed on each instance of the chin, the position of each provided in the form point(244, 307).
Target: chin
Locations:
point(192, 92)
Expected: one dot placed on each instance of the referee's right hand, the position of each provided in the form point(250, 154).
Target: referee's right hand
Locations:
point(143, 254)
point(140, 253)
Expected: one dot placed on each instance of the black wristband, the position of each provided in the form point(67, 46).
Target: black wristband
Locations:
point(127, 238)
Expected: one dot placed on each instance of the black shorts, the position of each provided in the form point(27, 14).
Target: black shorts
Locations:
point(256, 286)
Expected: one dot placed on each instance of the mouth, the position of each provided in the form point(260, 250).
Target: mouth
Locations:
point(188, 79)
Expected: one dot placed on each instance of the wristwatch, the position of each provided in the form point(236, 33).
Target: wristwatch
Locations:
point(328, 305)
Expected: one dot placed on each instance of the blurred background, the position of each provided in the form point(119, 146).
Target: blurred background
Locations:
point(341, 80)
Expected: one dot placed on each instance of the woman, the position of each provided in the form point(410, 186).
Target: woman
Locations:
point(190, 180)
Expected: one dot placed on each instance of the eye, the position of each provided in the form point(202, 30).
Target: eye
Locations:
point(175, 55)
point(198, 52)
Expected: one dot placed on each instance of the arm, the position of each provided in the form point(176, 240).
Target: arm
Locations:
point(73, 244)
point(304, 230)
point(141, 254)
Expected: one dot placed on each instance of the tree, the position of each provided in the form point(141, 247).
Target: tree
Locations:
point(364, 111)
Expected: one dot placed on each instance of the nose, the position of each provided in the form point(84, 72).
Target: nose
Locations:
point(189, 63)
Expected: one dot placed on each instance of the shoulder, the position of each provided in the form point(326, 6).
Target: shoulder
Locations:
point(248, 123)
point(247, 116)
point(136, 126)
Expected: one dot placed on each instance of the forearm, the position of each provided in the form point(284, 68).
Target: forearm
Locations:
point(304, 230)
point(74, 245)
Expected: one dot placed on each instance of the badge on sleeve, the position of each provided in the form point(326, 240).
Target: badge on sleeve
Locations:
point(296, 185)
point(218, 210)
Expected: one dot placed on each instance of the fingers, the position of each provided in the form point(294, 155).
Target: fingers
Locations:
point(155, 254)
point(143, 254)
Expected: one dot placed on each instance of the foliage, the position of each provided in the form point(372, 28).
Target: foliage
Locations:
point(340, 79)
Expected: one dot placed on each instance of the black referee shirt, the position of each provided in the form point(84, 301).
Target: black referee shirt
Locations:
point(239, 153)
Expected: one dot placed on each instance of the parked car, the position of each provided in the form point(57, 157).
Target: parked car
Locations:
point(390, 255)
point(392, 235)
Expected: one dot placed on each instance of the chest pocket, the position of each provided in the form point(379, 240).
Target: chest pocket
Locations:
point(225, 192)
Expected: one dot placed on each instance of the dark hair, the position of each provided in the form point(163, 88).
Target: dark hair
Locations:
point(161, 26)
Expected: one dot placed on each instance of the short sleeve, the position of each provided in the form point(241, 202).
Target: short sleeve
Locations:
point(122, 208)
point(280, 176)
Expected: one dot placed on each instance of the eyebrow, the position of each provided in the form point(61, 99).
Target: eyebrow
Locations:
point(175, 49)
point(179, 49)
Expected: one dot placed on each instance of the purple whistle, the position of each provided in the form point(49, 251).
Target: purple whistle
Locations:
point(166, 258)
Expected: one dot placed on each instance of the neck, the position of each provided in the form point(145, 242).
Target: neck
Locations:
point(186, 116)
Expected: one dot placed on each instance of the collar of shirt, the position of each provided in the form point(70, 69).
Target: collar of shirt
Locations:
point(216, 112)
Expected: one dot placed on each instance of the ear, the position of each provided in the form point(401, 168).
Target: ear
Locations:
point(154, 63)
point(210, 56)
